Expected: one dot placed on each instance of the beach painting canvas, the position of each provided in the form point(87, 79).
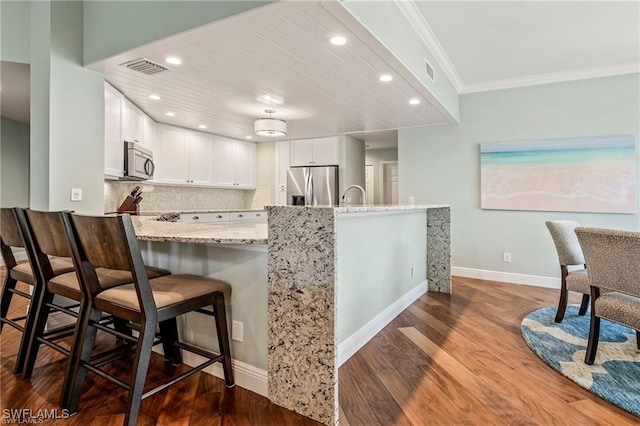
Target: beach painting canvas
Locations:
point(590, 174)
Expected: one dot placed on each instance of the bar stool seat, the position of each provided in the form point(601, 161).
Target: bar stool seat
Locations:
point(23, 271)
point(67, 285)
point(168, 292)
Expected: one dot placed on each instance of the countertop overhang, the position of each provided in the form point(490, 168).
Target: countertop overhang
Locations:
point(149, 229)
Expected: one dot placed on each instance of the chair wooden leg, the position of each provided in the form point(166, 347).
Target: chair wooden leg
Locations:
point(223, 338)
point(139, 375)
point(594, 336)
point(562, 303)
point(39, 324)
point(81, 349)
point(169, 334)
point(7, 295)
point(28, 334)
point(584, 305)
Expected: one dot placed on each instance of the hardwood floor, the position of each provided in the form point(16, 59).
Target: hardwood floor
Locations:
point(461, 359)
point(447, 359)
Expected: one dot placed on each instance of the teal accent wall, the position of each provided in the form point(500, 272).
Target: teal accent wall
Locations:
point(15, 17)
point(113, 27)
point(375, 254)
point(245, 269)
point(67, 112)
point(14, 163)
point(442, 165)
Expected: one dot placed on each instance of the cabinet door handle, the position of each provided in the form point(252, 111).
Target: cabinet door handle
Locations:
point(219, 216)
point(258, 215)
point(195, 218)
point(240, 215)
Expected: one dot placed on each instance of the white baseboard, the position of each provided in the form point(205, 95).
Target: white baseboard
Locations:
point(21, 255)
point(357, 340)
point(507, 277)
point(245, 375)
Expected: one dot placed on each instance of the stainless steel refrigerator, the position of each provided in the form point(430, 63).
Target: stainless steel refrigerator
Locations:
point(312, 186)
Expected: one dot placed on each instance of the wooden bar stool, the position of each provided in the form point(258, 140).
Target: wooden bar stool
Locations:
point(46, 238)
point(110, 242)
point(11, 237)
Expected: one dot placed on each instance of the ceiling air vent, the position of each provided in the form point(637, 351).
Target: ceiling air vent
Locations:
point(144, 66)
point(429, 69)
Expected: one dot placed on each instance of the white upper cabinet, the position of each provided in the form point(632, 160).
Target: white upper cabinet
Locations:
point(201, 170)
point(113, 144)
point(315, 152)
point(235, 163)
point(131, 122)
point(187, 157)
point(149, 133)
point(172, 164)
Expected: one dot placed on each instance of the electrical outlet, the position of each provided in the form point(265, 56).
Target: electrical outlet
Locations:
point(411, 199)
point(76, 194)
point(237, 331)
point(506, 257)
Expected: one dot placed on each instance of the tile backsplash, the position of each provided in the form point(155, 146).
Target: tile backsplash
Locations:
point(162, 198)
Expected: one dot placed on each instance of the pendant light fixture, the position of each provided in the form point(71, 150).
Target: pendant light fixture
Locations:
point(271, 127)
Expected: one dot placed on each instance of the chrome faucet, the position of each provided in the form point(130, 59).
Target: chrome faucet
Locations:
point(344, 194)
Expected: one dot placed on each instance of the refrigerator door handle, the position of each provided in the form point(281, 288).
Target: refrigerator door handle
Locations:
point(308, 188)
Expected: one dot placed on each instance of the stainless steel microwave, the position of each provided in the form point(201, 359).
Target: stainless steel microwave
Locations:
point(138, 162)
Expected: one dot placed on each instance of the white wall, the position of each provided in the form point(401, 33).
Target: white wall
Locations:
point(441, 165)
point(14, 163)
point(373, 157)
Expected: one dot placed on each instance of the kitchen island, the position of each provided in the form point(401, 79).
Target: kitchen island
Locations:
point(327, 280)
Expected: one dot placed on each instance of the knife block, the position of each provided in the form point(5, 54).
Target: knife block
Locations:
point(128, 206)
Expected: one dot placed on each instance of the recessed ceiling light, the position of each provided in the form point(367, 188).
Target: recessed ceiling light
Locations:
point(338, 40)
point(414, 101)
point(248, 137)
point(385, 78)
point(202, 126)
point(170, 114)
point(173, 60)
point(154, 97)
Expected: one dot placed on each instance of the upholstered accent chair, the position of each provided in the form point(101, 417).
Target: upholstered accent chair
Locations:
point(612, 256)
point(570, 255)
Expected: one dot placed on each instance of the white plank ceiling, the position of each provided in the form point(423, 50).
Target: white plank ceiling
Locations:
point(279, 52)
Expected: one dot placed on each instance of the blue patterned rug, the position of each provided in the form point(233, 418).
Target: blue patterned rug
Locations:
point(614, 376)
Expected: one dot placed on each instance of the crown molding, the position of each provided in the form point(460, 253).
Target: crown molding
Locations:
point(550, 78)
point(411, 13)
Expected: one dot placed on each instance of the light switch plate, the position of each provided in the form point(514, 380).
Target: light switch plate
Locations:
point(76, 194)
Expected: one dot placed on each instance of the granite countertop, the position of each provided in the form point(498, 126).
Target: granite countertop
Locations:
point(376, 208)
point(148, 229)
point(158, 213)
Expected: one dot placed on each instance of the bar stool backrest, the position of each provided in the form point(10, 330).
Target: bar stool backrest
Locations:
point(9, 228)
point(48, 238)
point(109, 242)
